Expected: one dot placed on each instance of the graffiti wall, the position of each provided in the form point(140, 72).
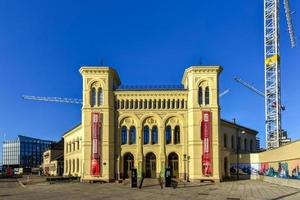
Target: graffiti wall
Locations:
point(283, 169)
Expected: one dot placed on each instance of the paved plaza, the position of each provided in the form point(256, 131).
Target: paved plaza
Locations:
point(248, 189)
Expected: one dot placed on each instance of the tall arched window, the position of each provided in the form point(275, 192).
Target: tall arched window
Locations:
point(200, 96)
point(127, 104)
point(100, 97)
point(159, 104)
point(177, 135)
point(168, 104)
point(154, 135)
point(131, 104)
point(141, 104)
point(136, 104)
point(150, 104)
point(77, 165)
point(206, 96)
point(93, 97)
point(118, 104)
point(70, 166)
point(232, 142)
point(66, 166)
point(132, 135)
point(173, 103)
point(124, 135)
point(182, 104)
point(177, 103)
point(73, 165)
point(122, 104)
point(168, 135)
point(154, 104)
point(225, 141)
point(145, 104)
point(164, 104)
point(146, 135)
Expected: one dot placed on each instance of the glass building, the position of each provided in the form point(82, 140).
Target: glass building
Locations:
point(24, 152)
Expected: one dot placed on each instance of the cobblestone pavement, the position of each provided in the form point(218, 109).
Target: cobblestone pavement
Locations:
point(247, 189)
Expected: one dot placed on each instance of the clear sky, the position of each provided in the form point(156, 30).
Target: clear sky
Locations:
point(44, 43)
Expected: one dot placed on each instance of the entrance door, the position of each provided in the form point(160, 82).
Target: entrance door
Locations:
point(150, 165)
point(173, 164)
point(128, 165)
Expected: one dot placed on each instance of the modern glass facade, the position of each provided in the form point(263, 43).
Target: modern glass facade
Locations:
point(25, 152)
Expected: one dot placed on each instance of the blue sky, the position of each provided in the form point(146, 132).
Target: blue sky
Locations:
point(44, 43)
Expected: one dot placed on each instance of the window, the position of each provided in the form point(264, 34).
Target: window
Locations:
point(136, 104)
point(168, 134)
point(77, 144)
point(206, 96)
point(178, 104)
point(200, 96)
point(173, 104)
point(77, 165)
point(232, 142)
point(118, 104)
point(251, 145)
point(73, 165)
point(124, 135)
point(122, 104)
point(132, 135)
point(177, 135)
point(127, 104)
point(150, 104)
point(146, 135)
point(141, 104)
point(245, 145)
point(93, 97)
point(225, 141)
point(154, 104)
point(159, 104)
point(168, 104)
point(145, 104)
point(239, 143)
point(131, 104)
point(66, 166)
point(182, 104)
point(164, 104)
point(100, 97)
point(154, 135)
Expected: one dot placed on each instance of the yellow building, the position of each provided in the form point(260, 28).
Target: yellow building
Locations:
point(153, 128)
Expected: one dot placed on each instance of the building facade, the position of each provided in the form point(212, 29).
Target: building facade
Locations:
point(53, 159)
point(24, 152)
point(150, 128)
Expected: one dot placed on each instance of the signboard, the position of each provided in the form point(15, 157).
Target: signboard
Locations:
point(96, 128)
point(206, 137)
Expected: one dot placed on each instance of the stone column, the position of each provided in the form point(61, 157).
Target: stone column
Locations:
point(172, 136)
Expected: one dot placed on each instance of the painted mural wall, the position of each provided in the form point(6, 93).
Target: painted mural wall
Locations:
point(283, 169)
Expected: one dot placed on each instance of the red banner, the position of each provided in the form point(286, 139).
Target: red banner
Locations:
point(206, 137)
point(96, 127)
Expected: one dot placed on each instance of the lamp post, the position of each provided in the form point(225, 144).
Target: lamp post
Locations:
point(184, 166)
point(188, 171)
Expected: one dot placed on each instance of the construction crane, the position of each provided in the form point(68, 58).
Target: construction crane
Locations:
point(75, 100)
point(53, 99)
point(272, 68)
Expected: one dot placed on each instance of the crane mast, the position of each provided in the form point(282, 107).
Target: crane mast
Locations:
point(272, 73)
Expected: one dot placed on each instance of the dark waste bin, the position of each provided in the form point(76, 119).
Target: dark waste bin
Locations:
point(133, 178)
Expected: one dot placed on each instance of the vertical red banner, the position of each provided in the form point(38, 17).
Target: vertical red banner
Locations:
point(96, 127)
point(206, 137)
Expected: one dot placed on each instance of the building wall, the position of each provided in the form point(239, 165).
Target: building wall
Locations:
point(73, 152)
point(125, 116)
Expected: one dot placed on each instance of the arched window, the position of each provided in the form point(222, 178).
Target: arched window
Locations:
point(131, 104)
point(164, 104)
point(182, 104)
point(173, 103)
point(232, 142)
point(73, 165)
point(100, 97)
point(118, 104)
point(206, 96)
point(93, 97)
point(124, 135)
point(154, 104)
point(70, 166)
point(77, 165)
point(168, 134)
point(132, 135)
point(150, 104)
point(141, 104)
point(127, 104)
point(200, 96)
point(136, 104)
point(66, 166)
point(154, 135)
point(225, 141)
point(178, 104)
point(251, 145)
point(67, 148)
point(168, 104)
point(245, 145)
point(146, 135)
point(122, 104)
point(159, 104)
point(145, 104)
point(177, 135)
